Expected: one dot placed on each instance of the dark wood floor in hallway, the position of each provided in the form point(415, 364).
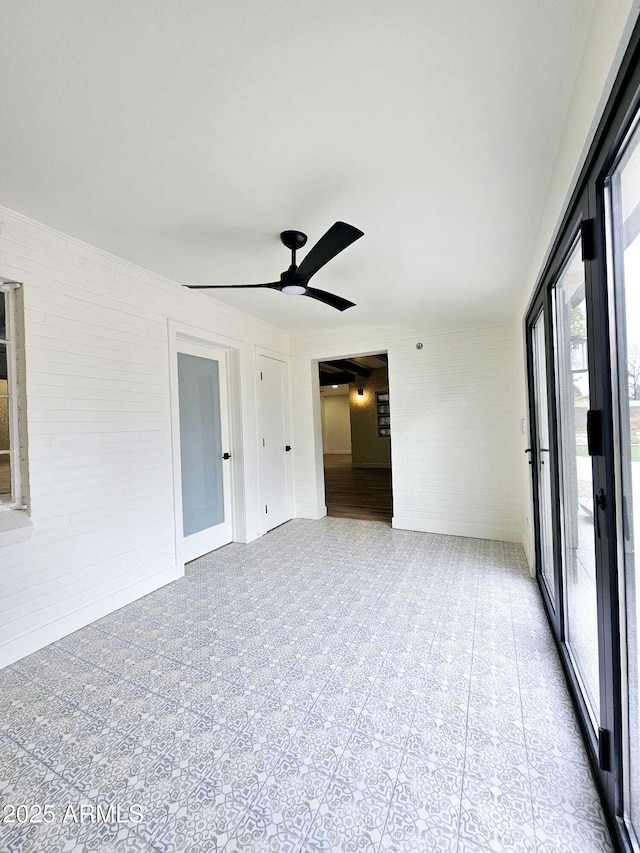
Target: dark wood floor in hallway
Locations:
point(357, 492)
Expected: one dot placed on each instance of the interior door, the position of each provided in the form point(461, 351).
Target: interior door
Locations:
point(274, 448)
point(204, 449)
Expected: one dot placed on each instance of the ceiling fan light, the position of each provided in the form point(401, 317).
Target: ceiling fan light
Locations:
point(294, 289)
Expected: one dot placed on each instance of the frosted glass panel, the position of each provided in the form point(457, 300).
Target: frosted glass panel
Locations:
point(200, 443)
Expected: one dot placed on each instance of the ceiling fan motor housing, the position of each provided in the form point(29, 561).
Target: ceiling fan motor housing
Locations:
point(291, 276)
point(293, 240)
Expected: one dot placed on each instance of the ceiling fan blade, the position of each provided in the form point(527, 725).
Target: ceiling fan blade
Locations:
point(276, 285)
point(337, 238)
point(329, 299)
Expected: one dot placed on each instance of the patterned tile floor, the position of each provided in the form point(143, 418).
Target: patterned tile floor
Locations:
point(336, 685)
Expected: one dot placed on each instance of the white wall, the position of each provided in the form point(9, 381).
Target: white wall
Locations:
point(609, 33)
point(97, 361)
point(456, 435)
point(336, 424)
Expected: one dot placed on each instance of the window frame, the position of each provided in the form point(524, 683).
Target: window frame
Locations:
point(9, 288)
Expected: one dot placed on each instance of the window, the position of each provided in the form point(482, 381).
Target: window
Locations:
point(10, 479)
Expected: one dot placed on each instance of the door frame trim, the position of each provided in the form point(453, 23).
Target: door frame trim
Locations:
point(183, 333)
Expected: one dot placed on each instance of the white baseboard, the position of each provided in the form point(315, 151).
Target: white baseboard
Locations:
point(466, 529)
point(37, 639)
point(314, 514)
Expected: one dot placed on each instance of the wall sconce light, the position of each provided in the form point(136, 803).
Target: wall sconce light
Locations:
point(360, 392)
point(334, 386)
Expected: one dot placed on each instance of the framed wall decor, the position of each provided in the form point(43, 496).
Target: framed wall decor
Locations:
point(384, 414)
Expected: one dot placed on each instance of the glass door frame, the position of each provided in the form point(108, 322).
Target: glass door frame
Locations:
point(597, 737)
point(623, 117)
point(542, 308)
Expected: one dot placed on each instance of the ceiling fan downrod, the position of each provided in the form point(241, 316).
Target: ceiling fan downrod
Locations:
point(293, 284)
point(293, 240)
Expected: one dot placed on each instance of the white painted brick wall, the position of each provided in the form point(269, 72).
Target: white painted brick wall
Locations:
point(100, 454)
point(456, 410)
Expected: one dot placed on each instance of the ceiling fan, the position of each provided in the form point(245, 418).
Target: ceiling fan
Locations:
point(295, 280)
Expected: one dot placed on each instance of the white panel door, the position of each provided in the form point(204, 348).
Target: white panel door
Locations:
point(274, 456)
point(205, 460)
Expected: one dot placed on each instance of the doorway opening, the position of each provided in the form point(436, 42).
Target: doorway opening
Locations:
point(356, 437)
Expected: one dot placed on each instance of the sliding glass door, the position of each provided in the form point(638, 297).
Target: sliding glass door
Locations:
point(623, 233)
point(577, 518)
point(540, 459)
point(583, 367)
point(568, 523)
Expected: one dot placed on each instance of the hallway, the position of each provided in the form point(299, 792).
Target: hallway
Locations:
point(363, 493)
point(334, 685)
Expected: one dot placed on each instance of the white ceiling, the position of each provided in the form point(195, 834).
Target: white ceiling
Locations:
point(184, 136)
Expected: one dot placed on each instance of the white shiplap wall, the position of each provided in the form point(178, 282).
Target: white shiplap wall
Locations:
point(456, 411)
point(100, 451)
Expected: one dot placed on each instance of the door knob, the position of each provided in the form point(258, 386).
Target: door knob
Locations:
point(287, 447)
point(226, 456)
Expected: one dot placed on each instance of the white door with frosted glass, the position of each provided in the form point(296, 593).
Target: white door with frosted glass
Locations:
point(205, 457)
point(275, 489)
